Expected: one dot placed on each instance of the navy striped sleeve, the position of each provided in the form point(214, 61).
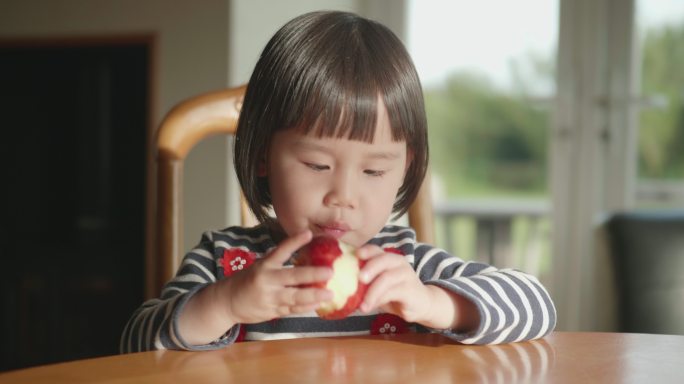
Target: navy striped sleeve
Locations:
point(513, 306)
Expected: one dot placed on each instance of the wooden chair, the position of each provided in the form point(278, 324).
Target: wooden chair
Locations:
point(184, 126)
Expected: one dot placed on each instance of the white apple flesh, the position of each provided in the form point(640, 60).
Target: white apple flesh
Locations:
point(348, 291)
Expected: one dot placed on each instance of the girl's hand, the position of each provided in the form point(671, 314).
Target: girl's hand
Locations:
point(395, 288)
point(394, 285)
point(266, 290)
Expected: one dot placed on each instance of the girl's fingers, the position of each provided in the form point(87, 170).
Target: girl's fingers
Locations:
point(369, 250)
point(303, 308)
point(293, 297)
point(299, 300)
point(381, 291)
point(302, 275)
point(378, 263)
point(286, 248)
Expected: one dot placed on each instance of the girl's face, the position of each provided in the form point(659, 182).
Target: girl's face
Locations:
point(339, 187)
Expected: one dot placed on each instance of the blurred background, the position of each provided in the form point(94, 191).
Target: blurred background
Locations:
point(550, 120)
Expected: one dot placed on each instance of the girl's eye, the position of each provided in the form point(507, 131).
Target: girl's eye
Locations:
point(374, 173)
point(317, 167)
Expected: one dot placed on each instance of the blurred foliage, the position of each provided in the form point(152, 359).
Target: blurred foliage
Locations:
point(486, 141)
point(661, 134)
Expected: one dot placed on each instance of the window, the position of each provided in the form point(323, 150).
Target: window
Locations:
point(660, 163)
point(546, 117)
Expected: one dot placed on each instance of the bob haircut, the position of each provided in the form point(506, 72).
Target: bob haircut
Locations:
point(323, 73)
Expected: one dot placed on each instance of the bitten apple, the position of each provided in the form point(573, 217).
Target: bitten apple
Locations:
point(348, 291)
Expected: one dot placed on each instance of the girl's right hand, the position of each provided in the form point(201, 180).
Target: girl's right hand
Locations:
point(267, 290)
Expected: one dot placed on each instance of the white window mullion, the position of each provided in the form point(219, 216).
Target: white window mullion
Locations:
point(622, 103)
point(592, 149)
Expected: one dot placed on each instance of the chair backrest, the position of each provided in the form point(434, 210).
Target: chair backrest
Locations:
point(184, 126)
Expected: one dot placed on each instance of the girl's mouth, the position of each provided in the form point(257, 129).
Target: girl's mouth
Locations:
point(336, 230)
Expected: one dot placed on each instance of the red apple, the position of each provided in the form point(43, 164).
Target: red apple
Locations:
point(348, 291)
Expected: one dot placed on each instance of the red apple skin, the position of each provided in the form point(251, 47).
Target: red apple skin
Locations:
point(322, 252)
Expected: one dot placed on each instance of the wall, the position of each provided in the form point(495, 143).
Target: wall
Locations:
point(192, 41)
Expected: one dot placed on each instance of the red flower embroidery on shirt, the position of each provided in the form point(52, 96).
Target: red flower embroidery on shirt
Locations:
point(393, 250)
point(385, 324)
point(235, 260)
point(241, 334)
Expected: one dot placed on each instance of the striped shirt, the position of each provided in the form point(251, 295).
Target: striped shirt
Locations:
point(513, 306)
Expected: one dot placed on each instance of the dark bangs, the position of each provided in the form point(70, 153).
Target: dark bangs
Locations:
point(337, 75)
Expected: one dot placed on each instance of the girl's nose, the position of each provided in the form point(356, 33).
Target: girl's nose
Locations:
point(343, 191)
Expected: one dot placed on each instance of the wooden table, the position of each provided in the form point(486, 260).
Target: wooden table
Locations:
point(411, 358)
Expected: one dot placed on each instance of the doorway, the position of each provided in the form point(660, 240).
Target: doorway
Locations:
point(75, 119)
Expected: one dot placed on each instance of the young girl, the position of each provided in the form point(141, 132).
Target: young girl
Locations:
point(332, 137)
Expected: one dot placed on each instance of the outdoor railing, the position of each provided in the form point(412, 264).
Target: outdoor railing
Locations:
point(504, 233)
point(517, 233)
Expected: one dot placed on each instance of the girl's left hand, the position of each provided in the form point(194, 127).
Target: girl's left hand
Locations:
point(394, 286)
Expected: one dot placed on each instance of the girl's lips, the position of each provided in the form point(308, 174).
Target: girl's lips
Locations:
point(336, 231)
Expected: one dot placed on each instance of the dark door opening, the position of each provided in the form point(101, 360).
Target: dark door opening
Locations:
point(72, 219)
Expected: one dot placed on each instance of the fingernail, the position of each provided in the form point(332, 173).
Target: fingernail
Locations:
point(363, 276)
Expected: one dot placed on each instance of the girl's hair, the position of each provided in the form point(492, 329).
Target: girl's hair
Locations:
point(322, 72)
